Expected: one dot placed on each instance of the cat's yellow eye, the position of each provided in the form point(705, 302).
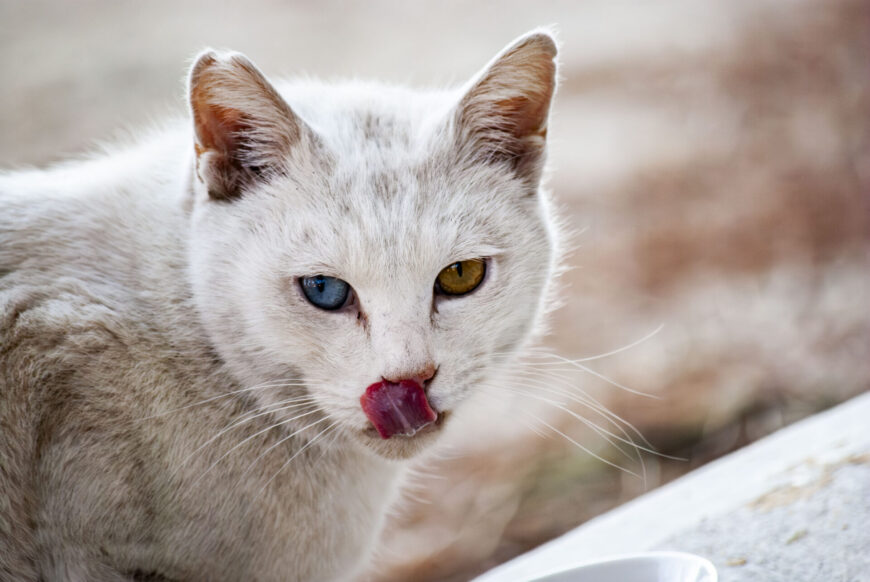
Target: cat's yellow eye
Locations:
point(461, 278)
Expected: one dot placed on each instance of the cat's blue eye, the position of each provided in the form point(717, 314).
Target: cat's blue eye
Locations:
point(325, 292)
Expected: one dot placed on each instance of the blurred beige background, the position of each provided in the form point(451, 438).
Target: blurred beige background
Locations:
point(711, 158)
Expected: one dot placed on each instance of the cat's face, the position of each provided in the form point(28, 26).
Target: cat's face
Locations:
point(365, 235)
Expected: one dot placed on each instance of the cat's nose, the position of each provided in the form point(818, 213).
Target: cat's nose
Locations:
point(420, 375)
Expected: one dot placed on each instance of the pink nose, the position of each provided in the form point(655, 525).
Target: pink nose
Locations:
point(420, 376)
point(397, 408)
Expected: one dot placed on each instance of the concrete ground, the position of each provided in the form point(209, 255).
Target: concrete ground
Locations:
point(791, 507)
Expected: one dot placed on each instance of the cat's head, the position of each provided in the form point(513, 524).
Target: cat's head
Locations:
point(371, 247)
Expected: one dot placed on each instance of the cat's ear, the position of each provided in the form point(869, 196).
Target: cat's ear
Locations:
point(502, 117)
point(244, 130)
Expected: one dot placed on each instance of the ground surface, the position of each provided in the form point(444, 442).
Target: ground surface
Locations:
point(791, 507)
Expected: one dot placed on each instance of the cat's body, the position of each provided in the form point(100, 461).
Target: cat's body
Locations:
point(79, 305)
point(171, 405)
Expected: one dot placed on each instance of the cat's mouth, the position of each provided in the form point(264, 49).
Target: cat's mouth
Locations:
point(401, 420)
point(398, 408)
point(402, 447)
point(431, 428)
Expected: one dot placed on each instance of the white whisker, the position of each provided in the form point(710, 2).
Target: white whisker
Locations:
point(256, 434)
point(599, 430)
point(574, 392)
point(264, 453)
point(276, 384)
point(541, 352)
point(296, 454)
point(622, 349)
point(584, 449)
point(614, 383)
point(238, 423)
point(603, 433)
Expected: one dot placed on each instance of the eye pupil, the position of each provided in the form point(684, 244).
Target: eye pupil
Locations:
point(327, 293)
point(459, 269)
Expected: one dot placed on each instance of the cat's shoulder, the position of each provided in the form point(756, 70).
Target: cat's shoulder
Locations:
point(96, 214)
point(137, 162)
point(80, 239)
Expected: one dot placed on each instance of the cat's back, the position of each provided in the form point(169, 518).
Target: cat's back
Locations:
point(84, 242)
point(87, 246)
point(89, 252)
point(79, 214)
point(82, 245)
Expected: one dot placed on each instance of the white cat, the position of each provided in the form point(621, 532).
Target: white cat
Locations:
point(217, 345)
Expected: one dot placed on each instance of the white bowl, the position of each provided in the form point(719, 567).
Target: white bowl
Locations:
point(646, 567)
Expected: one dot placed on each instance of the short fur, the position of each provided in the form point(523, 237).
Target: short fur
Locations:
point(149, 300)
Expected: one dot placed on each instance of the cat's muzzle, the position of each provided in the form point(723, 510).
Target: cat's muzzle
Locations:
point(397, 408)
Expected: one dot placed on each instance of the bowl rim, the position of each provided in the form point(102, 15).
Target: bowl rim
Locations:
point(702, 562)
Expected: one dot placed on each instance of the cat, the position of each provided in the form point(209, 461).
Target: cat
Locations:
point(221, 345)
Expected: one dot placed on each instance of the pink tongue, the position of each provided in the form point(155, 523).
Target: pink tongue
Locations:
point(397, 408)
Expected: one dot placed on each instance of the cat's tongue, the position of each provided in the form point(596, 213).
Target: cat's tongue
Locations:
point(397, 408)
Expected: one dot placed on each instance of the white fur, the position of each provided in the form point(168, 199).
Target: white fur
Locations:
point(128, 291)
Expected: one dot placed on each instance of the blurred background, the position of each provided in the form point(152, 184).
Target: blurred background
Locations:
point(711, 159)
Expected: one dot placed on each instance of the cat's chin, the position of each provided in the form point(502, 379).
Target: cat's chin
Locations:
point(401, 447)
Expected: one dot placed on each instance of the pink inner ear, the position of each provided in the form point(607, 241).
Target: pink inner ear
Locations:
point(217, 128)
point(397, 409)
point(504, 115)
point(528, 117)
